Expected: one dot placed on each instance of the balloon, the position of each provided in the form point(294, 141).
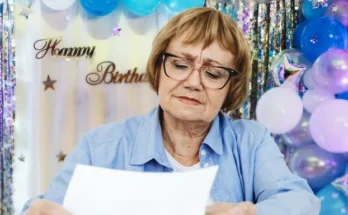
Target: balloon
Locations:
point(280, 109)
point(58, 5)
point(333, 202)
point(287, 64)
point(316, 40)
point(99, 8)
point(141, 7)
point(308, 79)
point(342, 184)
point(342, 96)
point(180, 5)
point(310, 12)
point(298, 32)
point(330, 71)
point(312, 98)
point(317, 166)
point(300, 135)
point(329, 125)
point(339, 11)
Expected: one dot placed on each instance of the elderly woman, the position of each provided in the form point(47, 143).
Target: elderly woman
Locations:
point(199, 67)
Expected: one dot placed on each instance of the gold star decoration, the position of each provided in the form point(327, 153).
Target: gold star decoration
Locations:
point(61, 156)
point(21, 158)
point(49, 83)
point(335, 8)
point(26, 11)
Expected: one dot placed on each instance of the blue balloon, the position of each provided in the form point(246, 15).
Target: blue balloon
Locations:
point(322, 34)
point(98, 7)
point(333, 201)
point(141, 7)
point(310, 12)
point(298, 33)
point(342, 96)
point(180, 5)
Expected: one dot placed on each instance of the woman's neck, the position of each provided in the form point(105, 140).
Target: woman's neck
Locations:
point(183, 139)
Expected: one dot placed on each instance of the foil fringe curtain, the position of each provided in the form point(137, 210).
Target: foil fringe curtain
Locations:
point(269, 28)
point(7, 106)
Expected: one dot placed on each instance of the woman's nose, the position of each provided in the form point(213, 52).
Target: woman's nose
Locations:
point(193, 82)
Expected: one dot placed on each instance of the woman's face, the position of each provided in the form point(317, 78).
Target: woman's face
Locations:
point(190, 100)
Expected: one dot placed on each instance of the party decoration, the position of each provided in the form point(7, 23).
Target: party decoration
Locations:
point(330, 71)
point(280, 109)
point(328, 125)
point(342, 184)
point(331, 35)
point(50, 46)
point(7, 106)
point(298, 32)
point(49, 83)
point(21, 158)
point(342, 96)
point(312, 98)
point(61, 156)
point(26, 11)
point(286, 65)
point(116, 31)
point(319, 3)
point(58, 5)
point(141, 7)
point(333, 201)
point(106, 73)
point(308, 79)
point(317, 166)
point(263, 1)
point(311, 11)
point(181, 5)
point(300, 135)
point(339, 11)
point(99, 8)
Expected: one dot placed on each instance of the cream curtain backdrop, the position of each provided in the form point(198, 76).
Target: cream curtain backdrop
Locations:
point(51, 121)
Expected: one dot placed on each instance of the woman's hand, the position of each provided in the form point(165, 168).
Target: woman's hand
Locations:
point(243, 208)
point(41, 207)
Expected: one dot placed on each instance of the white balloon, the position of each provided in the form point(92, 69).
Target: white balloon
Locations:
point(312, 98)
point(280, 109)
point(58, 4)
point(308, 80)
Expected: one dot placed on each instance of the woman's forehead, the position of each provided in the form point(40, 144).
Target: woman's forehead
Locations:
point(214, 53)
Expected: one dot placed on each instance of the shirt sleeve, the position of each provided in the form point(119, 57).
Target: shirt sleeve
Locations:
point(277, 190)
point(57, 189)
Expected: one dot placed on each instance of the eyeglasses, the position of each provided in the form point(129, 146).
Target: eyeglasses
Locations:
point(213, 77)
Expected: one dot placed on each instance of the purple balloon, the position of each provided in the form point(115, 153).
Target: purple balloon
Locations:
point(330, 71)
point(329, 125)
point(317, 166)
point(300, 135)
point(339, 11)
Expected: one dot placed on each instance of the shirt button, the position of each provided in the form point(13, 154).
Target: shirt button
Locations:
point(203, 152)
point(206, 165)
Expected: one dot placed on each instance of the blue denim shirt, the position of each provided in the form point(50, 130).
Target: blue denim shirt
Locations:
point(251, 167)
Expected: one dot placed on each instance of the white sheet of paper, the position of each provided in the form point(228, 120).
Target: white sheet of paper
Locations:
point(94, 190)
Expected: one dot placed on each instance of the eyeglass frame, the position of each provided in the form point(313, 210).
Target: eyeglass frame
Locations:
point(231, 72)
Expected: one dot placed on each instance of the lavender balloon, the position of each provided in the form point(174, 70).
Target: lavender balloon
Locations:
point(300, 135)
point(330, 71)
point(312, 98)
point(339, 11)
point(280, 109)
point(329, 125)
point(318, 166)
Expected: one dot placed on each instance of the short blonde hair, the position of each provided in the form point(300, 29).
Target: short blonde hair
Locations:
point(205, 25)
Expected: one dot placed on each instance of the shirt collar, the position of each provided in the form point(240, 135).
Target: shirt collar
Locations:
point(148, 143)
